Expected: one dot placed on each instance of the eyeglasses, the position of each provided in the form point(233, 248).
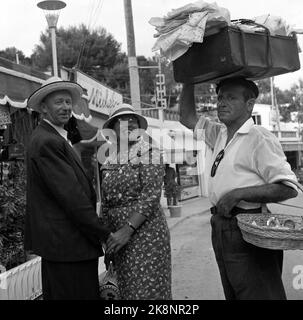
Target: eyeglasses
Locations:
point(217, 161)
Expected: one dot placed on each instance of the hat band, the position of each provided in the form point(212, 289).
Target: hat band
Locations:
point(122, 110)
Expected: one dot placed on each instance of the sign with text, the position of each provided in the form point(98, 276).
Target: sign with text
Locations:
point(100, 98)
point(189, 192)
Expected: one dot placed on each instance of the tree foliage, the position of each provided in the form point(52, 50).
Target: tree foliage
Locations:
point(10, 53)
point(12, 213)
point(94, 52)
point(290, 100)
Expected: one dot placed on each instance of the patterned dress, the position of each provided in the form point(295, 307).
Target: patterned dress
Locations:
point(144, 264)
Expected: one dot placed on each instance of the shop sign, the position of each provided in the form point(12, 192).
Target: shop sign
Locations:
point(100, 98)
point(189, 192)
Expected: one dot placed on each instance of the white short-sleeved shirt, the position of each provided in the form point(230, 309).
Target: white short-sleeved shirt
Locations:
point(253, 157)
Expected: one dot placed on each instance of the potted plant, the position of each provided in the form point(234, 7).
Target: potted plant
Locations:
point(173, 193)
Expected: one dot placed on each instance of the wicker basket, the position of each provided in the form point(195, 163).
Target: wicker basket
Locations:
point(268, 237)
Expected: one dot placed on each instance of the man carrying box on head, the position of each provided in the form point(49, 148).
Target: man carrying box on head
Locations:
point(249, 169)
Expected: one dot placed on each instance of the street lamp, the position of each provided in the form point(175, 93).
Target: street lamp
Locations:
point(51, 10)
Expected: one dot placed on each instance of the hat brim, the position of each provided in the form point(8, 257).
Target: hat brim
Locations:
point(142, 120)
point(35, 99)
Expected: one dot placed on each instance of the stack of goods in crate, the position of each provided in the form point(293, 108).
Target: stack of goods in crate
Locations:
point(183, 26)
point(274, 222)
point(206, 46)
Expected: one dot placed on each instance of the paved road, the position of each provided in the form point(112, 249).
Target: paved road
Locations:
point(195, 273)
point(293, 259)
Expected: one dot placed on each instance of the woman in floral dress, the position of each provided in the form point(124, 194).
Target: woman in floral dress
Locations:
point(131, 187)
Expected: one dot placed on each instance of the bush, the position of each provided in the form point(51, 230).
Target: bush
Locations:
point(12, 213)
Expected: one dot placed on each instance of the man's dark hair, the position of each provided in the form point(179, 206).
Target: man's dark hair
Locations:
point(251, 89)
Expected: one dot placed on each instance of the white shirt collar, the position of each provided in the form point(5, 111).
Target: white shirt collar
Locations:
point(247, 125)
point(60, 130)
point(244, 129)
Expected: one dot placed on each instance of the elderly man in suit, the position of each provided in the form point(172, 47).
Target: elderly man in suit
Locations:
point(61, 223)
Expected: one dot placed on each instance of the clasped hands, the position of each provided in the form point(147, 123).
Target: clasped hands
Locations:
point(116, 241)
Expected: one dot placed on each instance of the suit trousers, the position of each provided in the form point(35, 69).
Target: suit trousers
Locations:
point(247, 272)
point(70, 280)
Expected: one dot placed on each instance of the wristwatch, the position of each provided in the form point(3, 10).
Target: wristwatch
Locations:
point(131, 226)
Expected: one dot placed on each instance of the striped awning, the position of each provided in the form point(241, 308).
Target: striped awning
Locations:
point(18, 82)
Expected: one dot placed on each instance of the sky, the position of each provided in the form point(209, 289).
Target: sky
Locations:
point(22, 21)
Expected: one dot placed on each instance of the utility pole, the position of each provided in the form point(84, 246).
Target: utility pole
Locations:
point(275, 105)
point(299, 124)
point(161, 92)
point(132, 59)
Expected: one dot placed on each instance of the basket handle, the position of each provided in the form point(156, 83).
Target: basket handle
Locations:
point(250, 22)
point(267, 32)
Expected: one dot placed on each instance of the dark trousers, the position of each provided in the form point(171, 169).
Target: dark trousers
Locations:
point(70, 280)
point(247, 272)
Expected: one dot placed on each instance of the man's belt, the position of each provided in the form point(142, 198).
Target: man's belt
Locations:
point(236, 210)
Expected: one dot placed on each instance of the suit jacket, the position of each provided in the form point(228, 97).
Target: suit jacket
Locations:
point(61, 223)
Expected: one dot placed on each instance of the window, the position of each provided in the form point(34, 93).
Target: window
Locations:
point(257, 119)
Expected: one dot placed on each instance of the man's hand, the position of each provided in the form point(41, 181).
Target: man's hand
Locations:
point(118, 239)
point(228, 202)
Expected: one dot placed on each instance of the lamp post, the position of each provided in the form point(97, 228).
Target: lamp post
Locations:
point(51, 10)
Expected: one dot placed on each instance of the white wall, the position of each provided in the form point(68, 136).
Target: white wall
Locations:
point(264, 110)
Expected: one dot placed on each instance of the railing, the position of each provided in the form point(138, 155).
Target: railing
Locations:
point(152, 113)
point(287, 135)
point(171, 115)
point(168, 114)
point(22, 282)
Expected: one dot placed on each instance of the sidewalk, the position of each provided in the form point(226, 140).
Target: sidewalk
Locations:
point(190, 208)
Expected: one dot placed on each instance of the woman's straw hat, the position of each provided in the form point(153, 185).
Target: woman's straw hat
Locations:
point(123, 109)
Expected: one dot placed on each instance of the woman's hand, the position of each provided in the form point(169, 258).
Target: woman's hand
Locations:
point(118, 239)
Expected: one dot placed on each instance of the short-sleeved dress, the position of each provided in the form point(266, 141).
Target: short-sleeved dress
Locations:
point(144, 264)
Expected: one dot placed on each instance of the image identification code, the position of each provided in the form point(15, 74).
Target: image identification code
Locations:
point(164, 309)
point(152, 309)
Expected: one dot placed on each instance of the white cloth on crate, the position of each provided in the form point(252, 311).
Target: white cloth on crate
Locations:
point(253, 157)
point(186, 25)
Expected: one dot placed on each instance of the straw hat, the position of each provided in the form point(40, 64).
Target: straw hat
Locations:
point(51, 85)
point(123, 109)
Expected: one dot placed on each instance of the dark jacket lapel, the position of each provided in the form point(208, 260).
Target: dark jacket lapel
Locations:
point(69, 148)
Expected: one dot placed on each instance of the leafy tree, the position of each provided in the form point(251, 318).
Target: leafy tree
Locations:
point(118, 76)
point(12, 212)
point(264, 90)
point(94, 52)
point(10, 54)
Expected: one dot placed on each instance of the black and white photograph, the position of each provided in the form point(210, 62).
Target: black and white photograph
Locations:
point(151, 150)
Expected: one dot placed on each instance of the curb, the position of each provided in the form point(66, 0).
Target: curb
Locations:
point(187, 217)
